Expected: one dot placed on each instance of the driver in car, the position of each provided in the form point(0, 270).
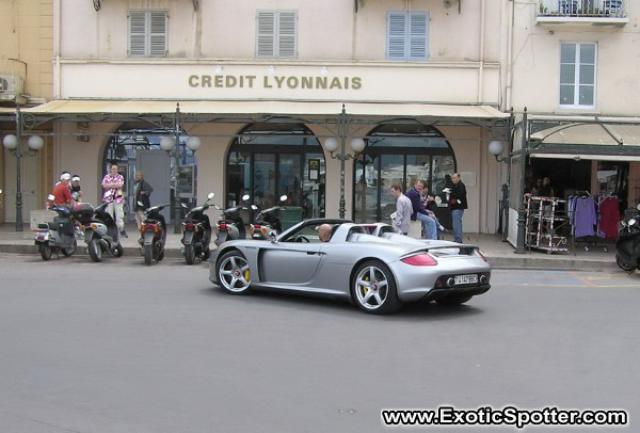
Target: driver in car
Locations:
point(324, 232)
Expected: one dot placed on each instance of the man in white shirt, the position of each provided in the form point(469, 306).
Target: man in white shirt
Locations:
point(404, 209)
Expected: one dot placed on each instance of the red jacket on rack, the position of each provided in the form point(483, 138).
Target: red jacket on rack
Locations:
point(609, 217)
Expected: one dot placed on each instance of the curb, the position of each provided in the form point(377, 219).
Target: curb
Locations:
point(531, 263)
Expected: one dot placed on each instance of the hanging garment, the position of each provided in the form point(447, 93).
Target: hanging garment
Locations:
point(585, 217)
point(609, 218)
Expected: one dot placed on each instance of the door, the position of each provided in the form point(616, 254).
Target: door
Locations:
point(29, 184)
point(294, 261)
point(155, 166)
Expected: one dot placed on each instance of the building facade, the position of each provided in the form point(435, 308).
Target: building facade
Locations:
point(26, 79)
point(574, 68)
point(264, 85)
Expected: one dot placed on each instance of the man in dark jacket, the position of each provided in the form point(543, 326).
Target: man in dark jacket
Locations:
point(457, 204)
point(143, 193)
point(429, 223)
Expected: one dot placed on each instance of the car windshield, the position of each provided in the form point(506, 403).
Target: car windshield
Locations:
point(309, 234)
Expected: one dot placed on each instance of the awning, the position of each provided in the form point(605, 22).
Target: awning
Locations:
point(235, 108)
point(590, 141)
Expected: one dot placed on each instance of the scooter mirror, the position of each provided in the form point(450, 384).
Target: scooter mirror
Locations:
point(140, 203)
point(184, 206)
point(638, 207)
point(211, 196)
point(51, 197)
point(273, 236)
point(246, 197)
point(283, 198)
point(632, 222)
point(254, 207)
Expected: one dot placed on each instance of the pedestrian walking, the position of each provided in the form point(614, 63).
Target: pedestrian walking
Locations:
point(420, 213)
point(404, 210)
point(113, 186)
point(143, 192)
point(457, 204)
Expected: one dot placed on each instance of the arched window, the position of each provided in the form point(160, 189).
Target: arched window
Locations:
point(398, 153)
point(267, 160)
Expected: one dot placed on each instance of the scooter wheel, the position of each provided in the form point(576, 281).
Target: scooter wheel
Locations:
point(118, 251)
point(95, 250)
point(161, 255)
point(627, 267)
point(148, 254)
point(45, 251)
point(189, 254)
point(71, 250)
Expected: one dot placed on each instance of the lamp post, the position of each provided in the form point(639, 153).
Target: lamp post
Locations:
point(171, 144)
point(12, 143)
point(331, 145)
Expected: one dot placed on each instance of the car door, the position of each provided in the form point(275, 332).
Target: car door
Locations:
point(290, 263)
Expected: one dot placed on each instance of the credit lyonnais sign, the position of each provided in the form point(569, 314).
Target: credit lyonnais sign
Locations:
point(292, 82)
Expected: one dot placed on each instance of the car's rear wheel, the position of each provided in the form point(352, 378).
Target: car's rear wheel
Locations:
point(374, 289)
point(453, 300)
point(234, 274)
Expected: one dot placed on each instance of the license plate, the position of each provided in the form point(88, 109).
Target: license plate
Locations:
point(465, 279)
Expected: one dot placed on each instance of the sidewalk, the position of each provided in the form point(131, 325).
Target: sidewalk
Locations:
point(500, 254)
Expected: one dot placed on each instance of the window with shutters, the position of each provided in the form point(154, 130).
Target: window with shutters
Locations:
point(407, 36)
point(276, 34)
point(577, 75)
point(148, 33)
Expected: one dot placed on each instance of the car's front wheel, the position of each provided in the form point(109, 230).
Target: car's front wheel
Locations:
point(374, 289)
point(453, 300)
point(234, 274)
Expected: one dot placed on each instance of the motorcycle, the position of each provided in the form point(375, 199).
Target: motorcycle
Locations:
point(101, 234)
point(153, 234)
point(59, 236)
point(196, 232)
point(235, 222)
point(628, 244)
point(268, 220)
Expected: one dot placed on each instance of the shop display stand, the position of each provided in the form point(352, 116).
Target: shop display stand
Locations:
point(546, 216)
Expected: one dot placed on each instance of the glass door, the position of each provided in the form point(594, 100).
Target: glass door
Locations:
point(366, 188)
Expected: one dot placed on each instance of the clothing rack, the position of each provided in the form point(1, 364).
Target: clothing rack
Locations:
point(588, 231)
point(546, 220)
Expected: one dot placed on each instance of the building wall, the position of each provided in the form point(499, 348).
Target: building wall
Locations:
point(536, 60)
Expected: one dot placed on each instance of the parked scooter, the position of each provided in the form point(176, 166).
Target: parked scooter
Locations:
point(196, 232)
point(235, 222)
point(268, 220)
point(628, 244)
point(60, 235)
point(153, 234)
point(101, 234)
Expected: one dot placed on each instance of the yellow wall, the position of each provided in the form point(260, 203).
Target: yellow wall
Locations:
point(26, 34)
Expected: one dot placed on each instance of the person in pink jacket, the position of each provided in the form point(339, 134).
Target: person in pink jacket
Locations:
point(113, 187)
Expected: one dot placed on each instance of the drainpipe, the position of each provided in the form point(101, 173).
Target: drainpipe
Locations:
point(522, 218)
point(57, 29)
point(510, 34)
point(482, 36)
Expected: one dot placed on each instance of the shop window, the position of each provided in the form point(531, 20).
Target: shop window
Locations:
point(148, 33)
point(269, 160)
point(407, 36)
point(276, 34)
point(577, 75)
point(402, 154)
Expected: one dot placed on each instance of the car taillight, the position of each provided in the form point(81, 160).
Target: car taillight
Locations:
point(222, 226)
point(422, 259)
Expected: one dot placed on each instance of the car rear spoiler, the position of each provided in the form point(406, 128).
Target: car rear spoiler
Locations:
point(465, 249)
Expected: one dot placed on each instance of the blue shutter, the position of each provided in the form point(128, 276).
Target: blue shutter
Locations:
point(418, 25)
point(396, 35)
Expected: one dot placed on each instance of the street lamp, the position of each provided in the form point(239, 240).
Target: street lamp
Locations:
point(169, 143)
point(12, 143)
point(331, 146)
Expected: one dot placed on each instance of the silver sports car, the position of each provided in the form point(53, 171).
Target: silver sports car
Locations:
point(368, 264)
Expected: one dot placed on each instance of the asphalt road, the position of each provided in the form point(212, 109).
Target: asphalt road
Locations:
point(120, 347)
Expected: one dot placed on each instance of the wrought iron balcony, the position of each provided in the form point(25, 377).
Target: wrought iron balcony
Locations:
point(583, 11)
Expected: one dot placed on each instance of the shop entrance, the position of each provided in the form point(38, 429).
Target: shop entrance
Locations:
point(268, 160)
point(400, 153)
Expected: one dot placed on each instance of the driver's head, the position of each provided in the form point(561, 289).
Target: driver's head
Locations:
point(324, 232)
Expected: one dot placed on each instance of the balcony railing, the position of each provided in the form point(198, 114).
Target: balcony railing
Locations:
point(593, 9)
